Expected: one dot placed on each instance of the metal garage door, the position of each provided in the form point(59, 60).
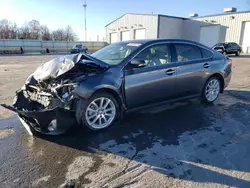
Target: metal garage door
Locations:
point(210, 35)
point(113, 37)
point(246, 38)
point(125, 35)
point(140, 33)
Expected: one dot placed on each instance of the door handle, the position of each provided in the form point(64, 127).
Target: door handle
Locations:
point(170, 72)
point(206, 65)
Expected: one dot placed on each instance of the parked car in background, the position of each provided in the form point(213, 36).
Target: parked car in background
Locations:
point(97, 89)
point(228, 48)
point(79, 48)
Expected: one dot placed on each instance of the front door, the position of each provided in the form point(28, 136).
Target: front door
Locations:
point(192, 69)
point(230, 48)
point(152, 83)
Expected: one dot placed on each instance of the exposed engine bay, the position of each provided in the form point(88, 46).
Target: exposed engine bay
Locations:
point(47, 96)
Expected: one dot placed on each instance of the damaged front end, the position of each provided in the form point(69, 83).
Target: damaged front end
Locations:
point(46, 103)
point(48, 111)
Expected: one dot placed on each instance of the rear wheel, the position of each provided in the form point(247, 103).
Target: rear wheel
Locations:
point(224, 53)
point(99, 112)
point(237, 53)
point(211, 90)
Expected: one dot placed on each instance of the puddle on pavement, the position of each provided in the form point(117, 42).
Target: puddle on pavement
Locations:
point(228, 100)
point(162, 148)
point(4, 133)
point(40, 180)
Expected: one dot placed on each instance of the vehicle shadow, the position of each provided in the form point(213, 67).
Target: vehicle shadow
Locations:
point(190, 142)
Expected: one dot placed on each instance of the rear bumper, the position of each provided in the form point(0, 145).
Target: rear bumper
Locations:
point(227, 79)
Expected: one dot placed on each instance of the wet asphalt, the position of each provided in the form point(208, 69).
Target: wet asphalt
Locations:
point(186, 144)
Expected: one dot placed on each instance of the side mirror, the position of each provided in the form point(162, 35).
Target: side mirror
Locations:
point(138, 63)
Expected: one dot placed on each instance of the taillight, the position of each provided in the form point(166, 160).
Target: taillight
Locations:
point(229, 66)
point(229, 60)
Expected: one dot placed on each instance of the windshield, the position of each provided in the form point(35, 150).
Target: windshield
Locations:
point(114, 54)
point(77, 46)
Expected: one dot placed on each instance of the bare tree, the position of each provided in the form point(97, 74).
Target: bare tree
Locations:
point(70, 34)
point(24, 32)
point(4, 29)
point(8, 30)
point(33, 30)
point(15, 31)
point(58, 35)
point(45, 32)
point(66, 34)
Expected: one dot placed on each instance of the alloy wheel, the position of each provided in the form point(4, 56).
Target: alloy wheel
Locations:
point(100, 113)
point(212, 90)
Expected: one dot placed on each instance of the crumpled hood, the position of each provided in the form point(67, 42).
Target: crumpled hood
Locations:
point(61, 65)
point(56, 67)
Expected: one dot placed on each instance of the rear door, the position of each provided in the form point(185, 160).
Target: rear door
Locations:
point(236, 47)
point(231, 48)
point(192, 69)
point(153, 83)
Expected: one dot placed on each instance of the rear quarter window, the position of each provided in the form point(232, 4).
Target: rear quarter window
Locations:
point(206, 53)
point(187, 52)
point(235, 45)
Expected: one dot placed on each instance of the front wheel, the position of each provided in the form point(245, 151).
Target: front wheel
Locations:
point(237, 53)
point(99, 112)
point(211, 90)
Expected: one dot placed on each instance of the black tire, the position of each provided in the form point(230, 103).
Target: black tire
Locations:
point(82, 107)
point(204, 97)
point(224, 53)
point(237, 53)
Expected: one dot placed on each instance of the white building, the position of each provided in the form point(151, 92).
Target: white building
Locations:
point(209, 30)
point(237, 26)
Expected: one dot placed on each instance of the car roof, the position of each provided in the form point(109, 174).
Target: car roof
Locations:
point(151, 41)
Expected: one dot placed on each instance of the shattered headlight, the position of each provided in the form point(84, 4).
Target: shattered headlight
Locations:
point(30, 79)
point(63, 91)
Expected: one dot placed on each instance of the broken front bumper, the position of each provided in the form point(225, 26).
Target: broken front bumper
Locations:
point(50, 121)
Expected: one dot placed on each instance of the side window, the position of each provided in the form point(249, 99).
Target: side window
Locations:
point(155, 55)
point(206, 53)
point(235, 45)
point(187, 52)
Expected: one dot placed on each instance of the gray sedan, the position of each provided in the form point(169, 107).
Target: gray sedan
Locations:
point(121, 77)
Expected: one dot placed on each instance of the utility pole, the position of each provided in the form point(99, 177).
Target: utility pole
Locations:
point(85, 7)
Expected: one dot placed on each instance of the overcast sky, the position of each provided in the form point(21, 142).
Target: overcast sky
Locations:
point(60, 13)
